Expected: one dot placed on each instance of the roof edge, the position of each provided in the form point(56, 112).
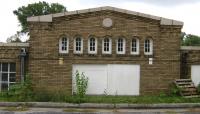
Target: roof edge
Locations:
point(49, 18)
point(190, 48)
point(15, 44)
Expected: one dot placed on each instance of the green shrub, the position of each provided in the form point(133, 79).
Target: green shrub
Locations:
point(58, 97)
point(162, 94)
point(81, 84)
point(175, 91)
point(42, 96)
point(21, 91)
point(198, 88)
point(75, 99)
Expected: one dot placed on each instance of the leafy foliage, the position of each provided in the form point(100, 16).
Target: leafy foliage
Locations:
point(198, 88)
point(81, 84)
point(191, 40)
point(46, 96)
point(21, 91)
point(174, 90)
point(14, 38)
point(132, 99)
point(35, 9)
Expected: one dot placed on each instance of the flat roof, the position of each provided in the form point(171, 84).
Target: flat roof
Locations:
point(15, 44)
point(190, 48)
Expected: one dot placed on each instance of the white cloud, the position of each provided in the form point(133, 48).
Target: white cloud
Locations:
point(166, 3)
point(183, 10)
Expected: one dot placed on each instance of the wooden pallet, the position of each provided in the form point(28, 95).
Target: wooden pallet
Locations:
point(187, 88)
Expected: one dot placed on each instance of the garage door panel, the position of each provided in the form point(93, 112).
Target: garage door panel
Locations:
point(123, 80)
point(94, 73)
point(94, 86)
point(114, 79)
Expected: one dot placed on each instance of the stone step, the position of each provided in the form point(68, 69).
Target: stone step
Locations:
point(187, 86)
point(185, 83)
point(189, 93)
point(188, 90)
point(183, 80)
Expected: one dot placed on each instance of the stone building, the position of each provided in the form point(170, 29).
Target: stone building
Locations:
point(122, 52)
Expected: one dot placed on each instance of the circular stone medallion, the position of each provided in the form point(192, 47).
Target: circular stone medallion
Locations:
point(107, 22)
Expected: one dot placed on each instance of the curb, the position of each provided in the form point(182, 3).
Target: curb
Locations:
point(100, 106)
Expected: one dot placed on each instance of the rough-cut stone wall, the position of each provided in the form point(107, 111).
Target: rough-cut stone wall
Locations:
point(10, 54)
point(44, 56)
point(190, 57)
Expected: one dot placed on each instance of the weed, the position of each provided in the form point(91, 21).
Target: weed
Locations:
point(198, 88)
point(174, 91)
point(81, 84)
point(20, 91)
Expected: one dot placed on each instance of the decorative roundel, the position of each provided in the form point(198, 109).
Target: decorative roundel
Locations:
point(107, 22)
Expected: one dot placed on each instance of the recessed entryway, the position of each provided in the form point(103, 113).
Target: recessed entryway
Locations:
point(110, 79)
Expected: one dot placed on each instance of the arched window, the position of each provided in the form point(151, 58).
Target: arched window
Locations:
point(106, 46)
point(92, 45)
point(63, 45)
point(78, 45)
point(148, 47)
point(135, 46)
point(120, 46)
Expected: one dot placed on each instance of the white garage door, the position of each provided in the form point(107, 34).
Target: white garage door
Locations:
point(195, 74)
point(111, 79)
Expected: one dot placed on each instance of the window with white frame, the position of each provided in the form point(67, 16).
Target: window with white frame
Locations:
point(106, 46)
point(7, 75)
point(78, 45)
point(92, 45)
point(148, 47)
point(120, 46)
point(63, 45)
point(135, 46)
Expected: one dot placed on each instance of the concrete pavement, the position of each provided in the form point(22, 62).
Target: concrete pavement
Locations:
point(94, 108)
point(101, 111)
point(100, 105)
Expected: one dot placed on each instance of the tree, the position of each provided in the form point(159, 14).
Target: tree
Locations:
point(183, 34)
point(36, 9)
point(191, 40)
point(14, 38)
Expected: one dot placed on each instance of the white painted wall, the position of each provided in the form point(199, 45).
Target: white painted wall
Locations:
point(195, 74)
point(112, 79)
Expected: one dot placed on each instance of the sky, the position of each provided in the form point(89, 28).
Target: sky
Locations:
point(186, 11)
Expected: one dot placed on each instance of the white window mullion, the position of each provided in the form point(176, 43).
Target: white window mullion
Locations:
point(148, 47)
point(134, 46)
point(8, 75)
point(78, 45)
point(64, 45)
point(107, 46)
point(120, 48)
point(0, 76)
point(92, 45)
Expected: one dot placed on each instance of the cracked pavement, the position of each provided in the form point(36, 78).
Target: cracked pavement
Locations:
point(101, 111)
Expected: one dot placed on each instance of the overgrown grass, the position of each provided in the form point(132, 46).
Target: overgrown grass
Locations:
point(134, 99)
point(106, 99)
point(23, 92)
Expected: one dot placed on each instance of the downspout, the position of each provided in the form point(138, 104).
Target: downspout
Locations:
point(22, 63)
